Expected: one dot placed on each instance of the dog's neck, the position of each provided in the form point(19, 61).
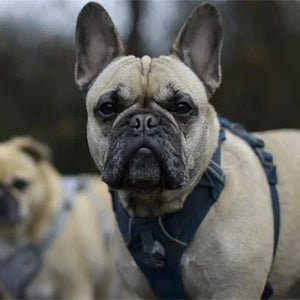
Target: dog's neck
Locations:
point(156, 203)
point(145, 204)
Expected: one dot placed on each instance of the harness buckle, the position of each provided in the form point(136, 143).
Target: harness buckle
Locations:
point(158, 255)
point(154, 249)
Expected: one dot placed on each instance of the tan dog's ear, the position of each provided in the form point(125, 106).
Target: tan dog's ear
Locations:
point(97, 43)
point(199, 44)
point(33, 148)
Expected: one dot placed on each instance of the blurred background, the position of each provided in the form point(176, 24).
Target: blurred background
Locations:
point(261, 65)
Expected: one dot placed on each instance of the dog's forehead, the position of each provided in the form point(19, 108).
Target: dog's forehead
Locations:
point(13, 163)
point(122, 72)
point(169, 75)
point(147, 78)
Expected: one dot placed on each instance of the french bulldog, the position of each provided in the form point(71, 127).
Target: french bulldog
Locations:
point(152, 132)
point(78, 262)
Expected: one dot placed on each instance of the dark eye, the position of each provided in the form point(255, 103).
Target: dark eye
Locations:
point(183, 108)
point(107, 109)
point(20, 184)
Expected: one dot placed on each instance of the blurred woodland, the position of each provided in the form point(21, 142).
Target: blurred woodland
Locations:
point(260, 66)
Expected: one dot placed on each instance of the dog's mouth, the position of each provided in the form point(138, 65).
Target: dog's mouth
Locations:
point(143, 170)
point(145, 163)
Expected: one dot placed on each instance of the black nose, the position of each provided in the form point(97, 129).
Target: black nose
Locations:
point(144, 122)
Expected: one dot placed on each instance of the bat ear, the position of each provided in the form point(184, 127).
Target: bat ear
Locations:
point(199, 45)
point(97, 43)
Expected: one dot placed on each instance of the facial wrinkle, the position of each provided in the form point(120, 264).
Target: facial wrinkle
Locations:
point(145, 70)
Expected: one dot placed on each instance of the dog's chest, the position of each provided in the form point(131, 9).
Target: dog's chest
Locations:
point(226, 251)
point(196, 265)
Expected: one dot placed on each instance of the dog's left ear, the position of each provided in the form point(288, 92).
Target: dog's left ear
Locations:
point(97, 43)
point(199, 44)
point(33, 148)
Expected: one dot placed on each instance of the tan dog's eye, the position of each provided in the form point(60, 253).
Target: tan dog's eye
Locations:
point(20, 184)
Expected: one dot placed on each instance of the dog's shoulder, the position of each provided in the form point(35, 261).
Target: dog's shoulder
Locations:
point(281, 140)
point(237, 154)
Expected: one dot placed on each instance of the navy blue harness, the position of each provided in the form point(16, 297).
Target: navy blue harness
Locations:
point(157, 243)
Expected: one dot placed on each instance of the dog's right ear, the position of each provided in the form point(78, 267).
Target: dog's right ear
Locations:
point(97, 43)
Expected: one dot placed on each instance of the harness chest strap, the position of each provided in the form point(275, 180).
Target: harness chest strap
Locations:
point(157, 244)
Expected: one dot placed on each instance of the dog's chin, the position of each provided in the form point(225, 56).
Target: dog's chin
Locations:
point(139, 171)
point(143, 171)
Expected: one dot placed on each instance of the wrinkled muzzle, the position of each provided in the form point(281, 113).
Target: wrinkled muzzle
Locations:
point(145, 152)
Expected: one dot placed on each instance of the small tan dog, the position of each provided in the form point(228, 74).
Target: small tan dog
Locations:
point(77, 261)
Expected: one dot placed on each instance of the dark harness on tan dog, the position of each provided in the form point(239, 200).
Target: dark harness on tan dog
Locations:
point(158, 243)
point(19, 269)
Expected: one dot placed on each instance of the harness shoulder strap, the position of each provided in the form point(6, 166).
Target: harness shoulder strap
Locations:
point(266, 160)
point(106, 226)
point(71, 186)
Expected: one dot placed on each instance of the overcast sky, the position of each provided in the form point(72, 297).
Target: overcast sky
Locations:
point(46, 18)
point(57, 17)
